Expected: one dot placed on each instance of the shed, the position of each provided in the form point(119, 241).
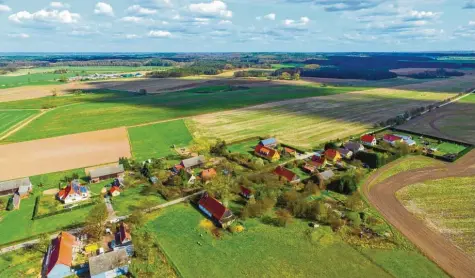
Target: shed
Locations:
point(107, 172)
point(193, 162)
point(111, 264)
point(12, 186)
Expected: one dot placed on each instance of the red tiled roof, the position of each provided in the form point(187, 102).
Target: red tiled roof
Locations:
point(289, 150)
point(309, 167)
point(208, 174)
point(318, 160)
point(286, 173)
point(391, 138)
point(267, 152)
point(178, 167)
point(213, 206)
point(114, 189)
point(367, 138)
point(331, 153)
point(62, 250)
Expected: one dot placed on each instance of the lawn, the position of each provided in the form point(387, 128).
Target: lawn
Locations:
point(133, 198)
point(447, 206)
point(8, 119)
point(406, 164)
point(114, 112)
point(243, 147)
point(268, 251)
point(157, 140)
point(52, 180)
point(21, 263)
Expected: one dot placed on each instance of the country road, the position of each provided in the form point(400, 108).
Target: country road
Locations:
point(435, 246)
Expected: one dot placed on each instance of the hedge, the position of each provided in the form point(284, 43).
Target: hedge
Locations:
point(36, 217)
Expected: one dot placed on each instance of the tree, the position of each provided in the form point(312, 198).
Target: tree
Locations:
point(125, 162)
point(354, 202)
point(43, 243)
point(221, 187)
point(96, 221)
point(219, 148)
point(285, 76)
point(296, 76)
point(283, 217)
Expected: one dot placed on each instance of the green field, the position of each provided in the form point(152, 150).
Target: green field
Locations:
point(468, 99)
point(243, 147)
point(52, 180)
point(95, 114)
point(133, 198)
point(447, 205)
point(21, 263)
point(268, 251)
point(8, 119)
point(157, 140)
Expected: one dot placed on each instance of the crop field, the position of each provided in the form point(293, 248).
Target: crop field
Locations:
point(134, 110)
point(8, 119)
point(451, 121)
point(293, 251)
point(157, 140)
point(63, 153)
point(446, 206)
point(309, 122)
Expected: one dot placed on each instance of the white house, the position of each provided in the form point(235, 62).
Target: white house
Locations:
point(73, 193)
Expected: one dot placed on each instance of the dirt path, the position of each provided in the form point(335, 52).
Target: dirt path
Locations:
point(435, 246)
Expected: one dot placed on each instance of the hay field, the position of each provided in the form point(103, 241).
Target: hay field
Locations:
point(10, 118)
point(63, 153)
point(446, 206)
point(308, 122)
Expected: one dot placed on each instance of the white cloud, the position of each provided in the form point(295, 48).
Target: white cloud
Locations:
point(137, 20)
point(19, 36)
point(58, 5)
point(159, 34)
point(270, 16)
point(4, 8)
point(45, 16)
point(104, 9)
point(471, 23)
point(212, 9)
point(131, 36)
point(225, 22)
point(201, 20)
point(296, 23)
point(139, 10)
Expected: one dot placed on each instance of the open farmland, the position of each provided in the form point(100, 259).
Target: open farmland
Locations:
point(157, 140)
point(446, 206)
point(293, 251)
point(308, 122)
point(94, 114)
point(63, 153)
point(451, 121)
point(10, 118)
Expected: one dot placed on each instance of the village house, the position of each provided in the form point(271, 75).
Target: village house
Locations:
point(392, 139)
point(407, 139)
point(267, 153)
point(123, 236)
point(208, 174)
point(354, 147)
point(215, 210)
point(246, 192)
point(114, 191)
point(332, 155)
point(104, 173)
point(60, 256)
point(189, 163)
point(309, 168)
point(73, 192)
point(289, 151)
point(345, 153)
point(269, 143)
point(286, 174)
point(12, 186)
point(369, 140)
point(109, 265)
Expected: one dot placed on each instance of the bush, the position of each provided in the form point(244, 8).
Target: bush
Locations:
point(10, 204)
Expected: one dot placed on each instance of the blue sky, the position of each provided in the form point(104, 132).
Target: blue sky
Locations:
point(236, 25)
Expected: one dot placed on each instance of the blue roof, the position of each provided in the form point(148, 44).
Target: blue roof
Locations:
point(83, 189)
point(269, 141)
point(410, 142)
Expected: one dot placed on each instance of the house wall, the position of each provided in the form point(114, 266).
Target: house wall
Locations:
point(105, 177)
point(59, 271)
point(8, 192)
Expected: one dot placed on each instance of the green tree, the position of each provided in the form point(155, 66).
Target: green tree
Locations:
point(221, 187)
point(283, 217)
point(285, 76)
point(96, 221)
point(43, 243)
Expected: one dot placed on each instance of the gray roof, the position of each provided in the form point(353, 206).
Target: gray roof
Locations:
point(108, 261)
point(344, 152)
point(23, 189)
point(105, 171)
point(14, 184)
point(194, 161)
point(353, 146)
point(328, 174)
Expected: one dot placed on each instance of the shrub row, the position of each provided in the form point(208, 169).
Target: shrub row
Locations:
point(36, 217)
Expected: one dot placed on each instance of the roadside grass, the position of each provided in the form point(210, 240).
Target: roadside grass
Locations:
point(109, 113)
point(134, 198)
point(447, 206)
point(265, 250)
point(157, 140)
point(8, 119)
point(21, 263)
point(406, 164)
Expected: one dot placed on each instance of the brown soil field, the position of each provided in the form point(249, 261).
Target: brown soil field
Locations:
point(63, 153)
point(433, 244)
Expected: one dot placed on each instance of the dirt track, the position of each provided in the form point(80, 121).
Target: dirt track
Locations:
point(439, 249)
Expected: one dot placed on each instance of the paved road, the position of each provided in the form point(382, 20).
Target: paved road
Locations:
point(435, 246)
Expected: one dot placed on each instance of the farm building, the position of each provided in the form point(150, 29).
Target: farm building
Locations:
point(114, 191)
point(12, 186)
point(270, 143)
point(72, 193)
point(123, 236)
point(246, 192)
point(267, 153)
point(24, 191)
point(215, 210)
point(286, 174)
point(354, 147)
point(407, 139)
point(107, 172)
point(60, 256)
point(190, 163)
point(392, 139)
point(108, 265)
point(332, 155)
point(345, 153)
point(368, 140)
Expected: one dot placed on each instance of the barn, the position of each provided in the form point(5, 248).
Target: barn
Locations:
point(12, 186)
point(107, 172)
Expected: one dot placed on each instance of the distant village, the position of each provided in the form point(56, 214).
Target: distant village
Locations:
point(103, 76)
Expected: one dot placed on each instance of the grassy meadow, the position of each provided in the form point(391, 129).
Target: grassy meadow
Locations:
point(263, 250)
point(133, 198)
point(447, 206)
point(157, 140)
point(21, 263)
point(93, 114)
point(8, 119)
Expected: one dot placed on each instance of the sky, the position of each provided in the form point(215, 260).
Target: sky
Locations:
point(236, 25)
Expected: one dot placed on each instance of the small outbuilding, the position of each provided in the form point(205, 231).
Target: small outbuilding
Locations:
point(12, 186)
point(114, 191)
point(106, 172)
point(109, 265)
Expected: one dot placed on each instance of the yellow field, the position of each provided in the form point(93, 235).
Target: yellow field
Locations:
point(308, 122)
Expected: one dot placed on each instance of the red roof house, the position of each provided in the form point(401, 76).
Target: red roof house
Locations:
point(392, 139)
point(332, 155)
point(114, 191)
point(286, 174)
point(267, 153)
point(123, 234)
point(215, 210)
point(246, 192)
point(368, 140)
point(208, 174)
point(59, 258)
